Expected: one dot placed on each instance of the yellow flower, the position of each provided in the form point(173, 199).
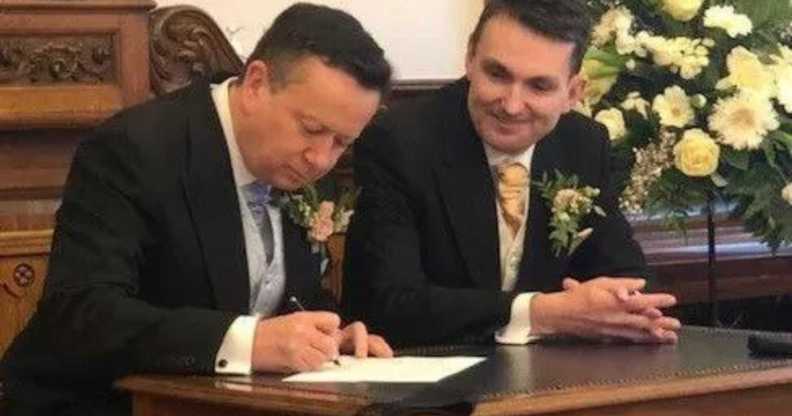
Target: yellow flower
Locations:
point(613, 121)
point(634, 102)
point(747, 73)
point(696, 154)
point(782, 71)
point(783, 75)
point(616, 21)
point(724, 17)
point(673, 107)
point(682, 10)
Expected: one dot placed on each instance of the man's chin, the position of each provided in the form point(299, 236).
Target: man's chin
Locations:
point(291, 181)
point(509, 143)
point(290, 186)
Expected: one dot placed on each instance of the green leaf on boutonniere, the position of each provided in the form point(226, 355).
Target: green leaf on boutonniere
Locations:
point(569, 203)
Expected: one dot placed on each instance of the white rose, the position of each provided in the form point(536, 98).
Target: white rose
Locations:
point(787, 193)
point(613, 121)
point(682, 10)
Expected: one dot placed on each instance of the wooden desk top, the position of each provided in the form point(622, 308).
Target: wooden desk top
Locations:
point(709, 370)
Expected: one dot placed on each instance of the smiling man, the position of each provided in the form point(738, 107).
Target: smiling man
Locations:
point(451, 244)
point(167, 256)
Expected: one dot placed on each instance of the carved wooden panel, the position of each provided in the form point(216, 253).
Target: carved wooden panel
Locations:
point(71, 64)
point(187, 43)
point(23, 266)
point(56, 59)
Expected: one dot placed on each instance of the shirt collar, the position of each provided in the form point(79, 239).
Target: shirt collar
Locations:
point(495, 157)
point(220, 96)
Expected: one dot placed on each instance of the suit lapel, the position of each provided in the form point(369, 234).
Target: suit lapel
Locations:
point(212, 199)
point(466, 188)
point(539, 265)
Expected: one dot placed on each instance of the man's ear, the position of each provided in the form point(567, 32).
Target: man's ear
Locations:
point(256, 76)
point(469, 55)
point(577, 87)
point(253, 88)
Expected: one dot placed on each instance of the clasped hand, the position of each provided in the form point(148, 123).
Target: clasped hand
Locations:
point(605, 307)
point(304, 341)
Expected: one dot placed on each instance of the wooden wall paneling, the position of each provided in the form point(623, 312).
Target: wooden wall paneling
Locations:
point(65, 66)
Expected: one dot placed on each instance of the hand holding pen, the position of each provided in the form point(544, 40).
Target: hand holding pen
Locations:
point(295, 342)
point(296, 303)
point(305, 341)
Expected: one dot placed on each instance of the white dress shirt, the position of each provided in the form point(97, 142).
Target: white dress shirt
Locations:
point(518, 330)
point(236, 352)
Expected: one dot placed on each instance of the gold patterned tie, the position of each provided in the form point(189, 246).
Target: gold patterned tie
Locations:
point(512, 181)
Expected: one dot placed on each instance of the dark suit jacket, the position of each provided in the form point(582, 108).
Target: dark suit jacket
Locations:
point(423, 263)
point(148, 266)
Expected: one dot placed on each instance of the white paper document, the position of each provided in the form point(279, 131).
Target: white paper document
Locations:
point(387, 370)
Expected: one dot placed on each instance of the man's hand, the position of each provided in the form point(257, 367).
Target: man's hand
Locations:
point(354, 338)
point(300, 341)
point(303, 341)
point(605, 307)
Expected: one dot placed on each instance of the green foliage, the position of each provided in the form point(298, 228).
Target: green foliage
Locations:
point(767, 15)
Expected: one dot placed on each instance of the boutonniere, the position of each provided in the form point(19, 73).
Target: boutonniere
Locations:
point(320, 216)
point(569, 203)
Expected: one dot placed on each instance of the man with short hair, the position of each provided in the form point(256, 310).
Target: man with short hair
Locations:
point(450, 243)
point(168, 256)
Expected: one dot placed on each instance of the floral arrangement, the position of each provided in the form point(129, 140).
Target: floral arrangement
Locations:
point(320, 217)
point(569, 203)
point(697, 97)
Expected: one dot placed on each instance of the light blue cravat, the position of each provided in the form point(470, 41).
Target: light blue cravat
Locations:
point(258, 196)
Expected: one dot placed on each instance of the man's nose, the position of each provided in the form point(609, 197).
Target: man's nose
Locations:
point(513, 101)
point(320, 155)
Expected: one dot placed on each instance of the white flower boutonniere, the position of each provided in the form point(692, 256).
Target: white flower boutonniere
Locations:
point(320, 217)
point(569, 203)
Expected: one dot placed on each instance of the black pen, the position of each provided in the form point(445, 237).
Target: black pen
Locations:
point(299, 306)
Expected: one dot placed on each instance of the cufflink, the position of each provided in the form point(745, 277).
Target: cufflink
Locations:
point(222, 363)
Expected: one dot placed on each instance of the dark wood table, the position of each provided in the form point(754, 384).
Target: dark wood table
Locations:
point(709, 373)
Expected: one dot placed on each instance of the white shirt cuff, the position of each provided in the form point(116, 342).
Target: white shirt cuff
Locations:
point(236, 353)
point(518, 330)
